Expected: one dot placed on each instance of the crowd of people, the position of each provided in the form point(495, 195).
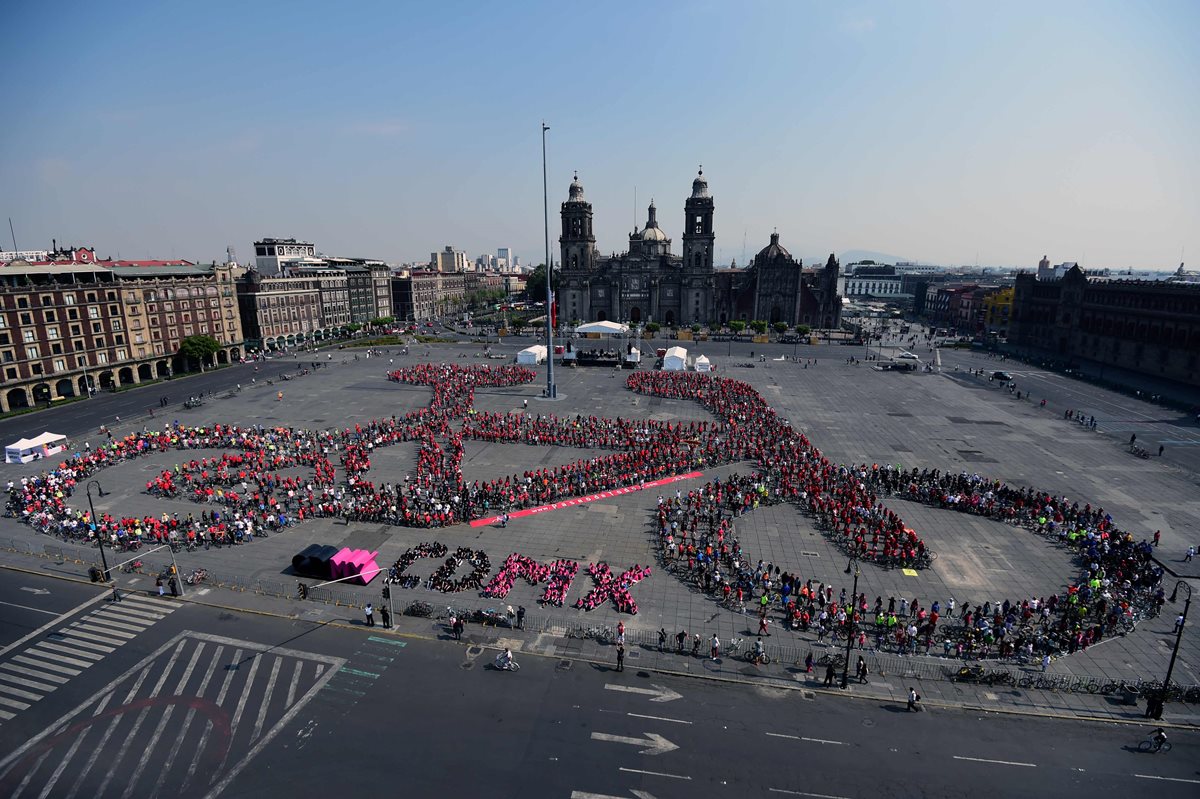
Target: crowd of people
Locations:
point(558, 576)
point(253, 487)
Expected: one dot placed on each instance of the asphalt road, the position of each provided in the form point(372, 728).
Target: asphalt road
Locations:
point(198, 701)
point(28, 601)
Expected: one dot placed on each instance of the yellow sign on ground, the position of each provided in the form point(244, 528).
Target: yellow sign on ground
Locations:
point(909, 572)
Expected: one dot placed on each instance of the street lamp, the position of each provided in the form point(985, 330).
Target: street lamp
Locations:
point(1178, 635)
point(551, 389)
point(850, 621)
point(96, 526)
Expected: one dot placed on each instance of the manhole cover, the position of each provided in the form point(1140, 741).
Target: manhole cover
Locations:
point(474, 651)
point(632, 655)
point(563, 665)
point(466, 665)
point(868, 722)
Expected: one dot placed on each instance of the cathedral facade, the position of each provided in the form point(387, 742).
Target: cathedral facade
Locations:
point(650, 283)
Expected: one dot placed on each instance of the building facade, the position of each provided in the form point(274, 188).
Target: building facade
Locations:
point(280, 311)
point(71, 328)
point(649, 283)
point(1144, 326)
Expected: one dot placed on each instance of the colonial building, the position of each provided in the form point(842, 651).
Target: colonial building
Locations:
point(70, 327)
point(649, 283)
point(1147, 326)
point(281, 311)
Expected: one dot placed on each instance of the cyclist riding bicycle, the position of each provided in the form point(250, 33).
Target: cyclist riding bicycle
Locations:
point(504, 659)
point(759, 653)
point(1159, 737)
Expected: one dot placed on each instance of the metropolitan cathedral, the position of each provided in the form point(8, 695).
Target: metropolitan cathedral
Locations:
point(649, 283)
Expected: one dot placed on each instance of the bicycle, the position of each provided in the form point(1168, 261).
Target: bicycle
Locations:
point(734, 646)
point(1150, 745)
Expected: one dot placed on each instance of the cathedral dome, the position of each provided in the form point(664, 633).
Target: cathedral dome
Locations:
point(652, 231)
point(773, 251)
point(699, 186)
point(576, 190)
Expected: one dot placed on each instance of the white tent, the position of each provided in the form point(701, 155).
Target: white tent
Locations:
point(532, 355)
point(28, 449)
point(702, 364)
point(604, 328)
point(675, 360)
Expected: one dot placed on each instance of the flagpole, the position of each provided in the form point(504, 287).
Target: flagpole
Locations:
point(551, 389)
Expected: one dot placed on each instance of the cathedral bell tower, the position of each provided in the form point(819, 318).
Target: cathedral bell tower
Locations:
point(577, 242)
point(698, 240)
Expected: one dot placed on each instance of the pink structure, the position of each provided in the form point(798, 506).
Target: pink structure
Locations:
point(354, 563)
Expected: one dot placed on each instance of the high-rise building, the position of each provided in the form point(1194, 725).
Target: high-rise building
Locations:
point(272, 255)
point(448, 260)
point(504, 259)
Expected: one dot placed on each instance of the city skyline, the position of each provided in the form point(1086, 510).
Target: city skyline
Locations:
point(936, 132)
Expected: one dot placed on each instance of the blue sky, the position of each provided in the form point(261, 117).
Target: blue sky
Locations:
point(944, 132)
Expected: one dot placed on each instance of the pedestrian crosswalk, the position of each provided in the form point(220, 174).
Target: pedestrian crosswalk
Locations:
point(44, 666)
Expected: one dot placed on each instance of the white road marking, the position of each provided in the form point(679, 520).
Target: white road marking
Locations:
point(79, 643)
point(8, 689)
point(230, 670)
point(1168, 779)
point(588, 795)
point(655, 773)
point(802, 793)
point(660, 693)
point(112, 725)
point(141, 717)
point(44, 665)
point(43, 651)
point(187, 720)
point(266, 700)
point(41, 675)
point(66, 759)
point(657, 718)
point(810, 740)
point(162, 721)
point(69, 650)
point(26, 607)
point(41, 630)
point(39, 686)
point(998, 762)
point(655, 744)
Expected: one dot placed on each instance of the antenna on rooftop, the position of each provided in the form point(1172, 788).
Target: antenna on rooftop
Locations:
point(14, 235)
point(743, 246)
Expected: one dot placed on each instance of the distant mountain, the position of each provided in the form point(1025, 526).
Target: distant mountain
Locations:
point(854, 256)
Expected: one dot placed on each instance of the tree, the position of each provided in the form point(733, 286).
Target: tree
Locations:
point(696, 328)
point(780, 327)
point(803, 330)
point(737, 325)
point(199, 348)
point(758, 326)
point(535, 286)
point(653, 327)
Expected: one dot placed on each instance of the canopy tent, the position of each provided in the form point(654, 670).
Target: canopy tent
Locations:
point(675, 360)
point(531, 356)
point(702, 364)
point(603, 328)
point(28, 449)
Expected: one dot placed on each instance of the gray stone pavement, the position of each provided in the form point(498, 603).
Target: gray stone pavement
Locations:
point(853, 413)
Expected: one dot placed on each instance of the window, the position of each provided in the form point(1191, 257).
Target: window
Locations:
point(137, 338)
point(118, 338)
point(112, 295)
point(29, 335)
point(60, 365)
point(26, 319)
point(35, 368)
point(68, 299)
point(56, 348)
point(91, 296)
point(81, 361)
point(72, 313)
point(47, 299)
point(101, 357)
point(32, 352)
point(52, 332)
point(22, 302)
point(93, 312)
point(113, 311)
point(121, 355)
point(7, 356)
point(98, 342)
point(75, 330)
point(11, 373)
point(4, 338)
point(115, 324)
point(50, 316)
point(77, 345)
point(97, 327)
point(3, 321)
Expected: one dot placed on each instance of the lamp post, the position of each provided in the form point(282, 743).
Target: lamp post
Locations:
point(551, 389)
point(1178, 634)
point(96, 526)
point(850, 621)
